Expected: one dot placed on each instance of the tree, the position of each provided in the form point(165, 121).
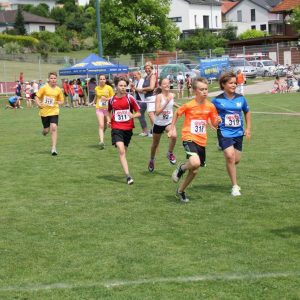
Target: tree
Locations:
point(136, 26)
point(229, 32)
point(19, 22)
point(201, 39)
point(295, 18)
point(59, 14)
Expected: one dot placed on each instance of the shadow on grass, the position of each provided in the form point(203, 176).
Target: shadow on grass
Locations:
point(113, 178)
point(155, 173)
point(212, 188)
point(287, 232)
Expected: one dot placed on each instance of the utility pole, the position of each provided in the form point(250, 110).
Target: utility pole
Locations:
point(99, 38)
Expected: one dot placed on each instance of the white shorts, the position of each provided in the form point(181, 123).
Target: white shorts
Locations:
point(151, 104)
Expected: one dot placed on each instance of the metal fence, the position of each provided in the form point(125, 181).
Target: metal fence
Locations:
point(34, 66)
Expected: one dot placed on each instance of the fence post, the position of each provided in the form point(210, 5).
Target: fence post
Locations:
point(176, 56)
point(5, 78)
point(209, 53)
point(277, 50)
point(142, 59)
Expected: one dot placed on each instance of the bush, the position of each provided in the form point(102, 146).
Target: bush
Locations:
point(24, 41)
point(251, 34)
point(13, 48)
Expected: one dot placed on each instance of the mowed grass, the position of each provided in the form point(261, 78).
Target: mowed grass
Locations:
point(72, 229)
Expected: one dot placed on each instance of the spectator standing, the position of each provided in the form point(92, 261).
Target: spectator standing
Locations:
point(91, 85)
point(66, 89)
point(180, 84)
point(240, 81)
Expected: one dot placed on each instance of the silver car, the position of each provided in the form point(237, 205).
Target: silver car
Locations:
point(236, 64)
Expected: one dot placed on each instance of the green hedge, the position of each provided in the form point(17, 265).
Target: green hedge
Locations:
point(25, 41)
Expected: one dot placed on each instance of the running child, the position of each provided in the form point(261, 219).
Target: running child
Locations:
point(103, 92)
point(197, 113)
point(164, 103)
point(48, 98)
point(122, 109)
point(230, 107)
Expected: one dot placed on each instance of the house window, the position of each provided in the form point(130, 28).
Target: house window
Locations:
point(252, 15)
point(253, 27)
point(206, 22)
point(239, 16)
point(195, 21)
point(42, 28)
point(176, 19)
point(263, 27)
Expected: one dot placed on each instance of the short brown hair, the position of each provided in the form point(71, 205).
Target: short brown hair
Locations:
point(225, 77)
point(52, 73)
point(117, 79)
point(196, 80)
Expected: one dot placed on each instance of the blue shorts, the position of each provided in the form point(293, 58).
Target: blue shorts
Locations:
point(225, 142)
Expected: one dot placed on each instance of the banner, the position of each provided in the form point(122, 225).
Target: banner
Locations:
point(213, 67)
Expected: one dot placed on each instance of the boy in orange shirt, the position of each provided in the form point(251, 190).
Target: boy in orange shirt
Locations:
point(197, 114)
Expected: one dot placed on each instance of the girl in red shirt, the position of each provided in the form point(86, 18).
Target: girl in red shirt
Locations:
point(122, 109)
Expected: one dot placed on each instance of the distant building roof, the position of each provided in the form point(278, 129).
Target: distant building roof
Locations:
point(266, 4)
point(9, 16)
point(286, 5)
point(204, 2)
point(227, 5)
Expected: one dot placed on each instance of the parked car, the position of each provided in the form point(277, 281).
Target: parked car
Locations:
point(175, 69)
point(242, 64)
point(181, 61)
point(264, 67)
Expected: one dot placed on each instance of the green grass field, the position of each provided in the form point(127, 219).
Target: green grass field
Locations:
point(72, 229)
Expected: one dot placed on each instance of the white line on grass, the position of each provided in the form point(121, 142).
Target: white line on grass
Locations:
point(276, 113)
point(157, 280)
point(279, 107)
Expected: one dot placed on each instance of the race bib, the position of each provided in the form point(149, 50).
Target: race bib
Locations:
point(198, 126)
point(48, 101)
point(167, 114)
point(102, 103)
point(122, 115)
point(232, 120)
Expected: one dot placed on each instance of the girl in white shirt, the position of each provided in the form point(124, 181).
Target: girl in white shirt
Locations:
point(164, 103)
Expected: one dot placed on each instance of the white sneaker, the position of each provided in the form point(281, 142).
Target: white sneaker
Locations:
point(143, 134)
point(235, 191)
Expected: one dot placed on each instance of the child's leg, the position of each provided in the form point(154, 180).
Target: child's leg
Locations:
point(172, 141)
point(155, 143)
point(192, 165)
point(53, 130)
point(122, 155)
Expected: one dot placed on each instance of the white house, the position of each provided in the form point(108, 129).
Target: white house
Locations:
point(33, 23)
point(13, 4)
point(193, 14)
point(254, 14)
point(82, 2)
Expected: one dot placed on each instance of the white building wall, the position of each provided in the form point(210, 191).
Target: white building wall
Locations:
point(82, 2)
point(262, 16)
point(14, 3)
point(36, 27)
point(181, 8)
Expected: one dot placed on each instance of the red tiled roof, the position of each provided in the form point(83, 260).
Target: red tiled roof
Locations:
point(286, 5)
point(226, 6)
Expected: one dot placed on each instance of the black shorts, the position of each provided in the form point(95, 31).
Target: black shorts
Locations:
point(191, 148)
point(158, 129)
point(48, 120)
point(226, 142)
point(12, 104)
point(33, 96)
point(118, 135)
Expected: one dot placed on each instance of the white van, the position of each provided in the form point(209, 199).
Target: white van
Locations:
point(264, 67)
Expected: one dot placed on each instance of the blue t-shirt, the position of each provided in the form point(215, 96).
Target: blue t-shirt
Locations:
point(230, 110)
point(13, 99)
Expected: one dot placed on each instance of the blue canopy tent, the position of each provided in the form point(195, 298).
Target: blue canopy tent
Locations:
point(93, 65)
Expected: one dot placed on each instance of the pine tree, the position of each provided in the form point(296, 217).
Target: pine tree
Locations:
point(19, 22)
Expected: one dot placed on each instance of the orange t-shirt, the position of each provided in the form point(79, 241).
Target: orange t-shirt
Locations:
point(195, 121)
point(240, 78)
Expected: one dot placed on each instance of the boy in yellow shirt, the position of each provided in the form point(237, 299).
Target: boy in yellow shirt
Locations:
point(48, 98)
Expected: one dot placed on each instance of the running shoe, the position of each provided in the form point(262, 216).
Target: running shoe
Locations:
point(150, 135)
point(235, 191)
point(151, 165)
point(129, 180)
point(53, 152)
point(101, 145)
point(171, 157)
point(143, 134)
point(182, 196)
point(177, 174)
